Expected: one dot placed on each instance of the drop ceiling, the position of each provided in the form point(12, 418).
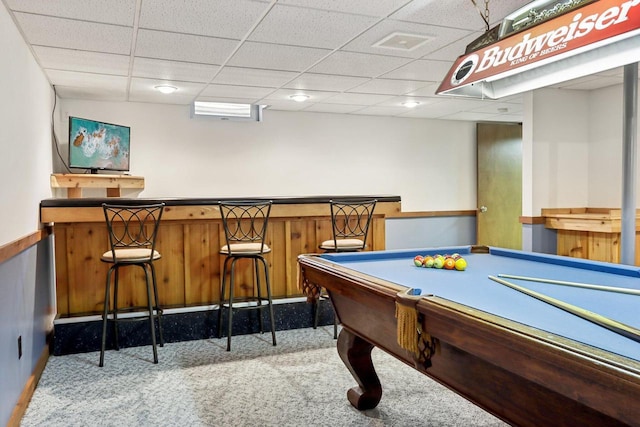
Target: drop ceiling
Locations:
point(259, 51)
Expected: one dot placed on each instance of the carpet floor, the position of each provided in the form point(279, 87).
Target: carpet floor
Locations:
point(299, 382)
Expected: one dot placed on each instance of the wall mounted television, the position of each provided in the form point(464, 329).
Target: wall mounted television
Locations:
point(95, 145)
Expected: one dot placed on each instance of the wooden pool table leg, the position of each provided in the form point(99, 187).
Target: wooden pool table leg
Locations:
point(355, 352)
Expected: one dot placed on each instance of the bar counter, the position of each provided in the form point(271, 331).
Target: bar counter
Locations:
point(189, 240)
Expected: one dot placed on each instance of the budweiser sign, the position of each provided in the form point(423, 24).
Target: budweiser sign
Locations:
point(593, 25)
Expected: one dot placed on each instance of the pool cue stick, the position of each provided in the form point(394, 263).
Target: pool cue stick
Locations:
point(615, 326)
point(576, 284)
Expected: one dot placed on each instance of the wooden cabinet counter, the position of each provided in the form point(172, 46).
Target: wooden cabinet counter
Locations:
point(589, 233)
point(189, 240)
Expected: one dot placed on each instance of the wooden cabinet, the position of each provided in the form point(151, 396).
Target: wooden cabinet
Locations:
point(589, 233)
point(189, 239)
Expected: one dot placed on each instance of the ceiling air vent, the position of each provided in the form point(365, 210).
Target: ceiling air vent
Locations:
point(227, 111)
point(403, 41)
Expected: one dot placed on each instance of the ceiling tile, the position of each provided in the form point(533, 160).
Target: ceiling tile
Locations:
point(279, 104)
point(253, 77)
point(81, 60)
point(314, 96)
point(428, 90)
point(334, 108)
point(379, 8)
point(86, 80)
point(325, 82)
point(309, 27)
point(225, 18)
point(148, 85)
point(491, 106)
point(276, 57)
point(382, 111)
point(444, 107)
point(357, 98)
point(159, 98)
point(388, 87)
point(454, 49)
point(84, 44)
point(457, 13)
point(438, 38)
point(57, 32)
point(183, 47)
point(468, 116)
point(422, 69)
point(229, 91)
point(119, 12)
point(358, 64)
point(173, 70)
point(397, 101)
point(92, 93)
point(142, 90)
point(512, 118)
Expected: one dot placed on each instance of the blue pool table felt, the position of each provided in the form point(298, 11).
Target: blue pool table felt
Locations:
point(473, 288)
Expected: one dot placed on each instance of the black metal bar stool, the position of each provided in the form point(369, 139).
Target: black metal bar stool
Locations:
point(132, 238)
point(245, 228)
point(350, 220)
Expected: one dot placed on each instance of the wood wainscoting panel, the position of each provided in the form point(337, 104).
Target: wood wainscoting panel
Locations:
point(572, 243)
point(190, 270)
point(170, 269)
point(604, 246)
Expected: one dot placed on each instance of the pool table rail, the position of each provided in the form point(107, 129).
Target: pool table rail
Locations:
point(518, 373)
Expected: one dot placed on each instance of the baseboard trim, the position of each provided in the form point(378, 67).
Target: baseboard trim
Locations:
point(29, 389)
point(84, 334)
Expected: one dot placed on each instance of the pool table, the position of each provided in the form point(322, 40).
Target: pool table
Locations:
point(519, 358)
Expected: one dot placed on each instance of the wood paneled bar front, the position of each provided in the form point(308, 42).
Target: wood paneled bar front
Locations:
point(189, 240)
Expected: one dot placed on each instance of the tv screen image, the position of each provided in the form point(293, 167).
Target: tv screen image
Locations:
point(98, 146)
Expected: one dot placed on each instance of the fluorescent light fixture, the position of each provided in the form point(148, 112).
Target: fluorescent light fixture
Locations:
point(410, 104)
point(299, 97)
point(227, 111)
point(166, 88)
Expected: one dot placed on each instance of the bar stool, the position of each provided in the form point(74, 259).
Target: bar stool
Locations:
point(132, 238)
point(350, 220)
point(245, 228)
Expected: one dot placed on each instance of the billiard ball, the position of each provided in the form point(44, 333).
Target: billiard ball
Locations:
point(417, 261)
point(449, 263)
point(461, 264)
point(438, 262)
point(427, 261)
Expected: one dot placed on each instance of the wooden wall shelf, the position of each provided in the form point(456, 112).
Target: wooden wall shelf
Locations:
point(74, 183)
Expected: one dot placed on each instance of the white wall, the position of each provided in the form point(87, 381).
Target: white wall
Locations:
point(25, 135)
point(606, 147)
point(555, 150)
point(429, 163)
point(26, 285)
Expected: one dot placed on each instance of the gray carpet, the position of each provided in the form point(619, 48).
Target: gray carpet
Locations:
point(300, 382)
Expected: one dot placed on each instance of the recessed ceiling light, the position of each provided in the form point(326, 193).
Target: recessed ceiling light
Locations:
point(300, 97)
point(166, 88)
point(411, 104)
